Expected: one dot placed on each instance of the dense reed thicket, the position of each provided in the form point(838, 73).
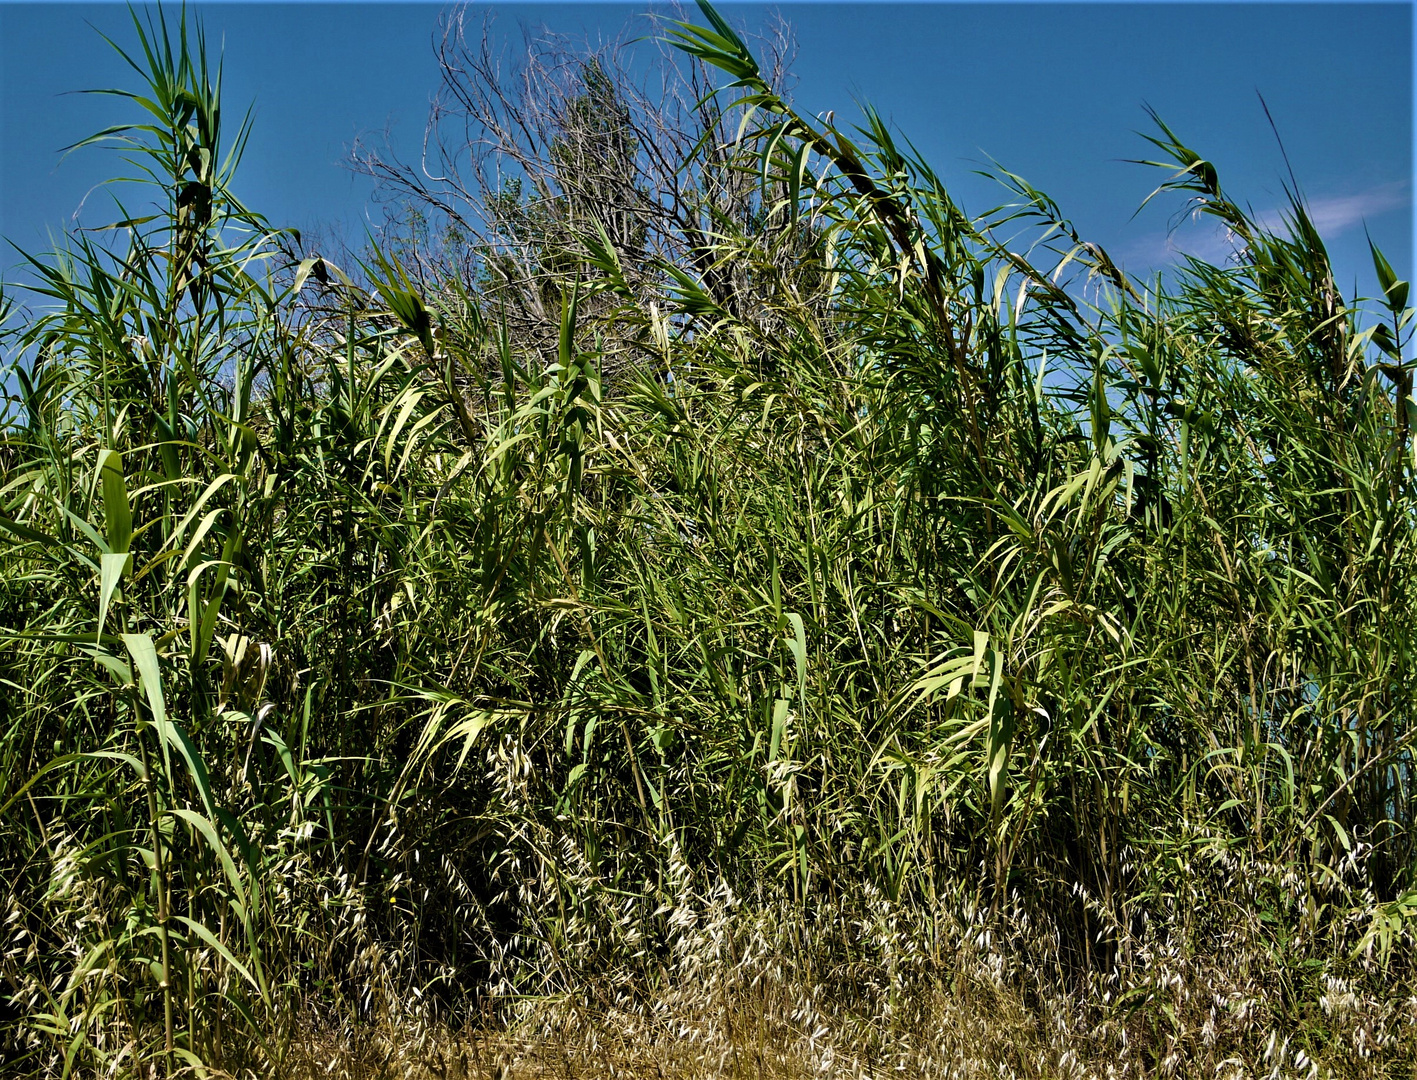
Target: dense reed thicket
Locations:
point(800, 624)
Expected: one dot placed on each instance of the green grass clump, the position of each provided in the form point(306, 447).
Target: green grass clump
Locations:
point(832, 633)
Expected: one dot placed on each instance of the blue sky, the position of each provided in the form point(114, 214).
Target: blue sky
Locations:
point(1054, 92)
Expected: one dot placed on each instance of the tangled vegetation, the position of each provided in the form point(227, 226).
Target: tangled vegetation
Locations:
point(731, 614)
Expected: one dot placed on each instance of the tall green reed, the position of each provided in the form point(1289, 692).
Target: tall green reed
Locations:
point(358, 647)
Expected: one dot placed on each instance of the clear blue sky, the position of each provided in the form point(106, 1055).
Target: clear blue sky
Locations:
point(1054, 92)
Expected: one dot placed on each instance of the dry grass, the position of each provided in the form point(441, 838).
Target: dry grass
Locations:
point(982, 1033)
point(740, 1001)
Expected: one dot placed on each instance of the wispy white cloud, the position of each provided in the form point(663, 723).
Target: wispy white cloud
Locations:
point(1205, 238)
point(1198, 235)
point(1335, 215)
